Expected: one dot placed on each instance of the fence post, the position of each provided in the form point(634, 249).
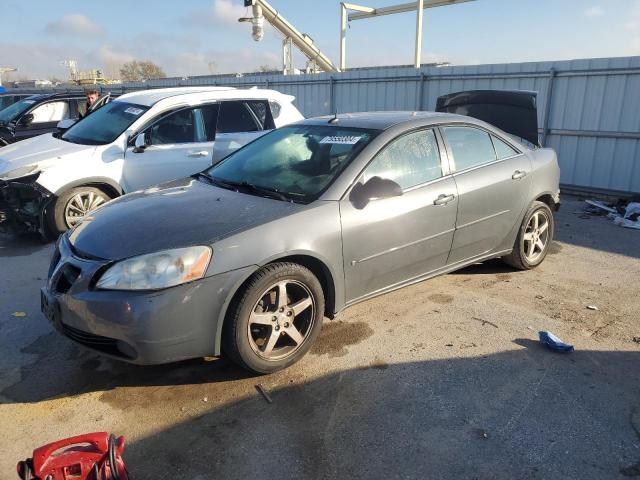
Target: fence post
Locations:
point(547, 107)
point(421, 91)
point(332, 101)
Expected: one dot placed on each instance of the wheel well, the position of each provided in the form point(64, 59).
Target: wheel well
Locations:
point(105, 187)
point(548, 199)
point(317, 267)
point(322, 273)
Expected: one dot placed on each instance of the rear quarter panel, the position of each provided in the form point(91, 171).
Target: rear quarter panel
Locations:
point(545, 173)
point(545, 180)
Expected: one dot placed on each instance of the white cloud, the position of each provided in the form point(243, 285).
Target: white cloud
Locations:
point(222, 13)
point(74, 25)
point(594, 11)
point(227, 11)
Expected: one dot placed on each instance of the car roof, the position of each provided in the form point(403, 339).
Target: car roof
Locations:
point(40, 97)
point(384, 120)
point(179, 95)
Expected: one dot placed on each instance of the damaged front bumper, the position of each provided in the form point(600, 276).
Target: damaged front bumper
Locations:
point(23, 203)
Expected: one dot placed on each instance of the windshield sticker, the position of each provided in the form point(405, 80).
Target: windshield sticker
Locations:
point(133, 111)
point(29, 102)
point(341, 140)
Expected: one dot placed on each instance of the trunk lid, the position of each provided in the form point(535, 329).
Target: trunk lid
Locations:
point(513, 111)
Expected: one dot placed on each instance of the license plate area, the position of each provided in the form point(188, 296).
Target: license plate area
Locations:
point(50, 307)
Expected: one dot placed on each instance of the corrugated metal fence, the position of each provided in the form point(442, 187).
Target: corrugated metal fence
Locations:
point(589, 110)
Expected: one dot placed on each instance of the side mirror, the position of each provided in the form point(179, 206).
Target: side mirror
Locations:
point(374, 188)
point(141, 142)
point(26, 120)
point(65, 124)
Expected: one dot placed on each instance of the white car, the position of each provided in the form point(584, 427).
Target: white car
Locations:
point(48, 183)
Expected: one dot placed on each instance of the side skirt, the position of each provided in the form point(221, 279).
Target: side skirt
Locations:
point(434, 273)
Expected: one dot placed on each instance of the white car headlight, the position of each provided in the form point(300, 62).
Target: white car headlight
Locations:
point(158, 270)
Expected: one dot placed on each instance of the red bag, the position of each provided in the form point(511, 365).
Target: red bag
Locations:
point(94, 456)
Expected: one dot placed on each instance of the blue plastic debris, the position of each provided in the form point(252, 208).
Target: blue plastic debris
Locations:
point(549, 340)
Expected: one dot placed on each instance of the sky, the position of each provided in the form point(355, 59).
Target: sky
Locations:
point(199, 37)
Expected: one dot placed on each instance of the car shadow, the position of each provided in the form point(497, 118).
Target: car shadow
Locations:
point(489, 267)
point(527, 413)
point(86, 371)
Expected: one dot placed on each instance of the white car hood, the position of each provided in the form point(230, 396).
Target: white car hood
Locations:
point(43, 151)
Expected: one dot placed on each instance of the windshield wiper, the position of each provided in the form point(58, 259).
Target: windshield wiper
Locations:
point(265, 191)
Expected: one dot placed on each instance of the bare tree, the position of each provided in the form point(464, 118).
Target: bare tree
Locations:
point(265, 69)
point(136, 71)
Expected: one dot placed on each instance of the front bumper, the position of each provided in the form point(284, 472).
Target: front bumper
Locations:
point(556, 200)
point(24, 202)
point(138, 327)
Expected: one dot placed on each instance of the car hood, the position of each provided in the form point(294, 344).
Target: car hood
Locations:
point(176, 214)
point(42, 151)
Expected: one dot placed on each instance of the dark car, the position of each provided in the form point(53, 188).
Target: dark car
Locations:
point(248, 256)
point(7, 99)
point(38, 114)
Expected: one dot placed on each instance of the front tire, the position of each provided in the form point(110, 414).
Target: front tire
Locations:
point(70, 207)
point(275, 319)
point(534, 238)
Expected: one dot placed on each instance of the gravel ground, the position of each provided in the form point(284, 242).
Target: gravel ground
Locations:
point(443, 379)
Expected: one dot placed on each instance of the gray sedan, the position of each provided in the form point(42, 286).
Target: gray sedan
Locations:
point(248, 257)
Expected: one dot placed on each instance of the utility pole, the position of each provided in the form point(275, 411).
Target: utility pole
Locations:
point(419, 15)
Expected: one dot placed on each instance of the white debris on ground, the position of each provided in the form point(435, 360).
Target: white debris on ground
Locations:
point(626, 216)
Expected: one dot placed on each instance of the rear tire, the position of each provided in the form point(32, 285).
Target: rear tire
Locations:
point(534, 238)
point(71, 206)
point(275, 319)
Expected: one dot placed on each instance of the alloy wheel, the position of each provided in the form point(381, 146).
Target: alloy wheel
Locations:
point(281, 320)
point(536, 236)
point(80, 205)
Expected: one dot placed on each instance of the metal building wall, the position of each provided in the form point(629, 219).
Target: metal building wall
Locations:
point(589, 110)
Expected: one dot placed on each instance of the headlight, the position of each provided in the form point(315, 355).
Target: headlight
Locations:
point(18, 172)
point(157, 270)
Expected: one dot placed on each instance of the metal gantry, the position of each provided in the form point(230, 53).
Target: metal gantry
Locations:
point(360, 12)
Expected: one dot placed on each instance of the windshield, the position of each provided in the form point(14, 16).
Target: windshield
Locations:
point(105, 124)
point(299, 162)
point(14, 111)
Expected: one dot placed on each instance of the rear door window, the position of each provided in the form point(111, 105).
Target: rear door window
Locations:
point(470, 146)
point(78, 108)
point(236, 116)
point(263, 112)
point(209, 115)
point(503, 150)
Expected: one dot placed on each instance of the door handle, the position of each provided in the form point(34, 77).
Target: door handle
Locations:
point(444, 199)
point(202, 153)
point(518, 174)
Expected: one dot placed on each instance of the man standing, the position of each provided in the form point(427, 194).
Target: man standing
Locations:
point(92, 96)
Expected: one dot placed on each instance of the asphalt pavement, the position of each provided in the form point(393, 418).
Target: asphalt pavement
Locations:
point(443, 379)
